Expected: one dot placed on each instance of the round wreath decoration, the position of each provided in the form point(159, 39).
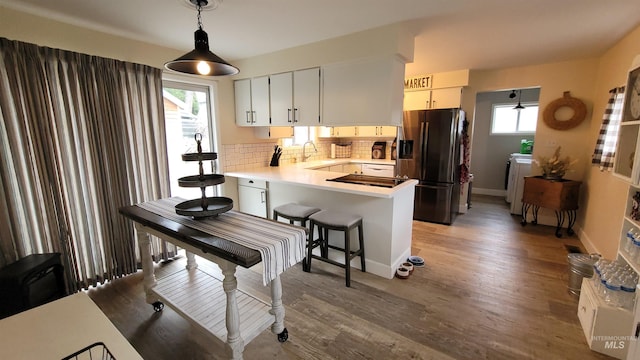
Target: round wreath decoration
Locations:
point(575, 104)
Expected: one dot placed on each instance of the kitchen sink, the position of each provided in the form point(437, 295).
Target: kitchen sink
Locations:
point(368, 180)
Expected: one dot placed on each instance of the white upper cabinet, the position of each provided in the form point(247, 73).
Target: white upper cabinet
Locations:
point(295, 98)
point(446, 98)
point(281, 87)
point(363, 92)
point(433, 99)
point(377, 131)
point(417, 100)
point(357, 131)
point(252, 101)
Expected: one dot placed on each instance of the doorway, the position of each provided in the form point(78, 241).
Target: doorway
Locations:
point(492, 145)
point(188, 111)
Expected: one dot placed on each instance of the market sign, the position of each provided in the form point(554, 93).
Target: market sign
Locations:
point(421, 82)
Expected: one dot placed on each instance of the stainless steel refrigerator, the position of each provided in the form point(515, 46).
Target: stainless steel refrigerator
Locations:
point(429, 151)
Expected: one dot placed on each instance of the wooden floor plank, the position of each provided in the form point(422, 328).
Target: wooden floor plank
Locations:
point(490, 289)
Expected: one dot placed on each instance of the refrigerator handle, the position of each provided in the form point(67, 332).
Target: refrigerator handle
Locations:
point(424, 132)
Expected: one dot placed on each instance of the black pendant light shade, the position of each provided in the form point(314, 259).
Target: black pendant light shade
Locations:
point(519, 106)
point(201, 61)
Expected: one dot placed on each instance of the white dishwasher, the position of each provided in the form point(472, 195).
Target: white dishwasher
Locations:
point(378, 170)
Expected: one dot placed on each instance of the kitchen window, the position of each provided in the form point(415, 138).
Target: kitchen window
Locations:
point(301, 134)
point(506, 120)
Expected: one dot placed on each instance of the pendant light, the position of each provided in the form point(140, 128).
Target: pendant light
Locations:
point(201, 61)
point(519, 106)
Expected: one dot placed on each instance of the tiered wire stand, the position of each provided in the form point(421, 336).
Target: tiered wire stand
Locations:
point(205, 206)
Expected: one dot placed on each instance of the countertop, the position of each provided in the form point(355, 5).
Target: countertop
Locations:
point(60, 328)
point(303, 174)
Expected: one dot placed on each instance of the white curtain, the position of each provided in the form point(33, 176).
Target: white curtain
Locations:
point(81, 137)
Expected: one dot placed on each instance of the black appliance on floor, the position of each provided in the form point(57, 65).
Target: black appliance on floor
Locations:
point(429, 151)
point(29, 282)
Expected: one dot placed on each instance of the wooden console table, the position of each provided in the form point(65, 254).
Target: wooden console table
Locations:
point(558, 195)
point(198, 296)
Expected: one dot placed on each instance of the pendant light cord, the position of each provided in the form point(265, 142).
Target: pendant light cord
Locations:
point(199, 8)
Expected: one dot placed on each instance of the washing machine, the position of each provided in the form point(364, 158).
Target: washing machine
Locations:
point(521, 168)
point(510, 181)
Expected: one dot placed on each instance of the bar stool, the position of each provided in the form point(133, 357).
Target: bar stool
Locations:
point(294, 212)
point(330, 220)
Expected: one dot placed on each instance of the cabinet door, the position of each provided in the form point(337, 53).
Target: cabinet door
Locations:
point(365, 91)
point(260, 100)
point(242, 90)
point(345, 131)
point(417, 100)
point(273, 132)
point(634, 350)
point(352, 168)
point(368, 131)
point(388, 131)
point(446, 98)
point(325, 131)
point(378, 170)
point(306, 97)
point(252, 200)
point(281, 87)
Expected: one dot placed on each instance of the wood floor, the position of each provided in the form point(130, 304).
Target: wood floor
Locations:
point(491, 289)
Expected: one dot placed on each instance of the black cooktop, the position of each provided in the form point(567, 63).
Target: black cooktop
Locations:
point(368, 180)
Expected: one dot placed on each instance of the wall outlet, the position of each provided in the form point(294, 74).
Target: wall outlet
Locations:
point(551, 143)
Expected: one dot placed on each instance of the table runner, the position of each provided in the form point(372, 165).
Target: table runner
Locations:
point(280, 245)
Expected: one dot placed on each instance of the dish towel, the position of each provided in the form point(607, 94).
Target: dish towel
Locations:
point(280, 245)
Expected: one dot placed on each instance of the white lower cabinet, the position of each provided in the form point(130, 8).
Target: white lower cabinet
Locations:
point(634, 348)
point(252, 197)
point(352, 168)
point(606, 328)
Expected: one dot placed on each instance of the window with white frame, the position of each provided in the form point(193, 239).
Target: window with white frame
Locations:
point(507, 120)
point(301, 134)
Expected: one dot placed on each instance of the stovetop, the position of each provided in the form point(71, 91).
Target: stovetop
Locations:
point(369, 180)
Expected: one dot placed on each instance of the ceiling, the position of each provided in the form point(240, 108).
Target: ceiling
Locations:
point(450, 34)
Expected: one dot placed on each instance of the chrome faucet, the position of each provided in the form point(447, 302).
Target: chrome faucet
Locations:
point(304, 155)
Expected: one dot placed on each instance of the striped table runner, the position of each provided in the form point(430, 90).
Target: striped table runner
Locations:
point(280, 245)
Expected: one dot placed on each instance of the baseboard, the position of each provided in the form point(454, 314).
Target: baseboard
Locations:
point(490, 192)
point(462, 209)
point(586, 242)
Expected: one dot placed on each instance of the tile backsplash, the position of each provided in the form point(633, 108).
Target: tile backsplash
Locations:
point(236, 157)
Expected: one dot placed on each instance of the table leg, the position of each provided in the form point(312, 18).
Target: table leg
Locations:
point(572, 220)
point(560, 218)
point(149, 281)
point(536, 208)
point(525, 210)
point(235, 343)
point(191, 261)
point(277, 310)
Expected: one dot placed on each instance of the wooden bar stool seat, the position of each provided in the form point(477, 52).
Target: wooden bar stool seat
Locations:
point(331, 220)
